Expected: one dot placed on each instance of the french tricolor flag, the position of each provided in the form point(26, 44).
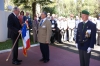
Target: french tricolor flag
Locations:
point(25, 39)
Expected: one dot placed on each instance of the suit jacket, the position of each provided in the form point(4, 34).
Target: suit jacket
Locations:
point(53, 24)
point(13, 25)
point(35, 24)
point(44, 32)
point(80, 36)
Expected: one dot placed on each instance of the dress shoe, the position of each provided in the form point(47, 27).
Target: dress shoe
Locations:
point(61, 42)
point(45, 61)
point(41, 59)
point(16, 63)
point(19, 60)
point(98, 44)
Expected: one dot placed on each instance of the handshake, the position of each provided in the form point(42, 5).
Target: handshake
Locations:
point(88, 50)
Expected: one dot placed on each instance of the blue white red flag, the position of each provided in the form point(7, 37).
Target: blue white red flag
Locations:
point(25, 39)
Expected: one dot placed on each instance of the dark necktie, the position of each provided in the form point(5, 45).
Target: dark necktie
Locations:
point(83, 25)
point(41, 22)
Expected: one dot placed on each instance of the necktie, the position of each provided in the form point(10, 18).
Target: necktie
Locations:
point(41, 22)
point(83, 25)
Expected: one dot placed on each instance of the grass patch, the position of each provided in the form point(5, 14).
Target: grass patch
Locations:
point(8, 44)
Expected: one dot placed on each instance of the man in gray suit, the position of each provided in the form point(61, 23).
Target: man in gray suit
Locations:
point(35, 28)
point(44, 35)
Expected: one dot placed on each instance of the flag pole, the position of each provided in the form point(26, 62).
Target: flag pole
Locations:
point(12, 48)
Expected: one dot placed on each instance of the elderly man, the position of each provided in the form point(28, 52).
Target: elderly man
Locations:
point(85, 38)
point(35, 28)
point(71, 26)
point(27, 17)
point(98, 31)
point(44, 35)
point(14, 28)
point(54, 29)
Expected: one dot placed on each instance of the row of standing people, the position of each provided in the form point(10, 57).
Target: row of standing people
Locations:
point(68, 27)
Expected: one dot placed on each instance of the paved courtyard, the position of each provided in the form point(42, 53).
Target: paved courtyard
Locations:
point(58, 57)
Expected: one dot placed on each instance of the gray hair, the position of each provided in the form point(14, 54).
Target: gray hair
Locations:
point(15, 9)
point(45, 13)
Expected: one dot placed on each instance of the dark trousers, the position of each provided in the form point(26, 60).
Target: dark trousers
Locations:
point(45, 51)
point(15, 50)
point(53, 37)
point(58, 36)
point(67, 35)
point(84, 58)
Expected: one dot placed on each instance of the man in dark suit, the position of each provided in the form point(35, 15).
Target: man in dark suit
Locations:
point(14, 28)
point(54, 29)
point(85, 38)
point(27, 17)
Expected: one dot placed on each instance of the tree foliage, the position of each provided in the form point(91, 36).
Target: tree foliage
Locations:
point(31, 4)
point(62, 7)
point(67, 7)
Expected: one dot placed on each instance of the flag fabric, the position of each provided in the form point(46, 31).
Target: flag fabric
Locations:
point(25, 39)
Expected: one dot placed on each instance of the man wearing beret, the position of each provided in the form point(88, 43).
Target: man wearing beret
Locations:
point(85, 38)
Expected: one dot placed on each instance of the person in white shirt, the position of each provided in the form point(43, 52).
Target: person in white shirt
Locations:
point(71, 26)
point(98, 33)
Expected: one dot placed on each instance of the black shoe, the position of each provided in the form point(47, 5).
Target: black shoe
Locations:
point(16, 63)
point(41, 59)
point(52, 43)
point(98, 44)
point(61, 42)
point(19, 60)
point(45, 61)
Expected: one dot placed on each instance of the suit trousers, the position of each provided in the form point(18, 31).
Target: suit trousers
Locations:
point(44, 50)
point(84, 58)
point(34, 35)
point(15, 50)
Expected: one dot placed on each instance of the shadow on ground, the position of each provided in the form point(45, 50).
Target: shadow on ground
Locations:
point(71, 47)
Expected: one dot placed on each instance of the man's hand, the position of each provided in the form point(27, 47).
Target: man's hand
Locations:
point(47, 42)
point(19, 31)
point(53, 29)
point(76, 45)
point(89, 50)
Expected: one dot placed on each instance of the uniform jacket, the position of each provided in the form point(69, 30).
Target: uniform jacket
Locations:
point(44, 32)
point(53, 24)
point(13, 25)
point(81, 35)
point(29, 20)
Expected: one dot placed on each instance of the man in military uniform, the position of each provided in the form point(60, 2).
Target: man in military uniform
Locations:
point(54, 29)
point(85, 38)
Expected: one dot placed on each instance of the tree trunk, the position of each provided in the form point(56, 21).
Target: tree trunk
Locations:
point(34, 8)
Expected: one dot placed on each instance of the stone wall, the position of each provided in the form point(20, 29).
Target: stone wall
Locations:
point(3, 25)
